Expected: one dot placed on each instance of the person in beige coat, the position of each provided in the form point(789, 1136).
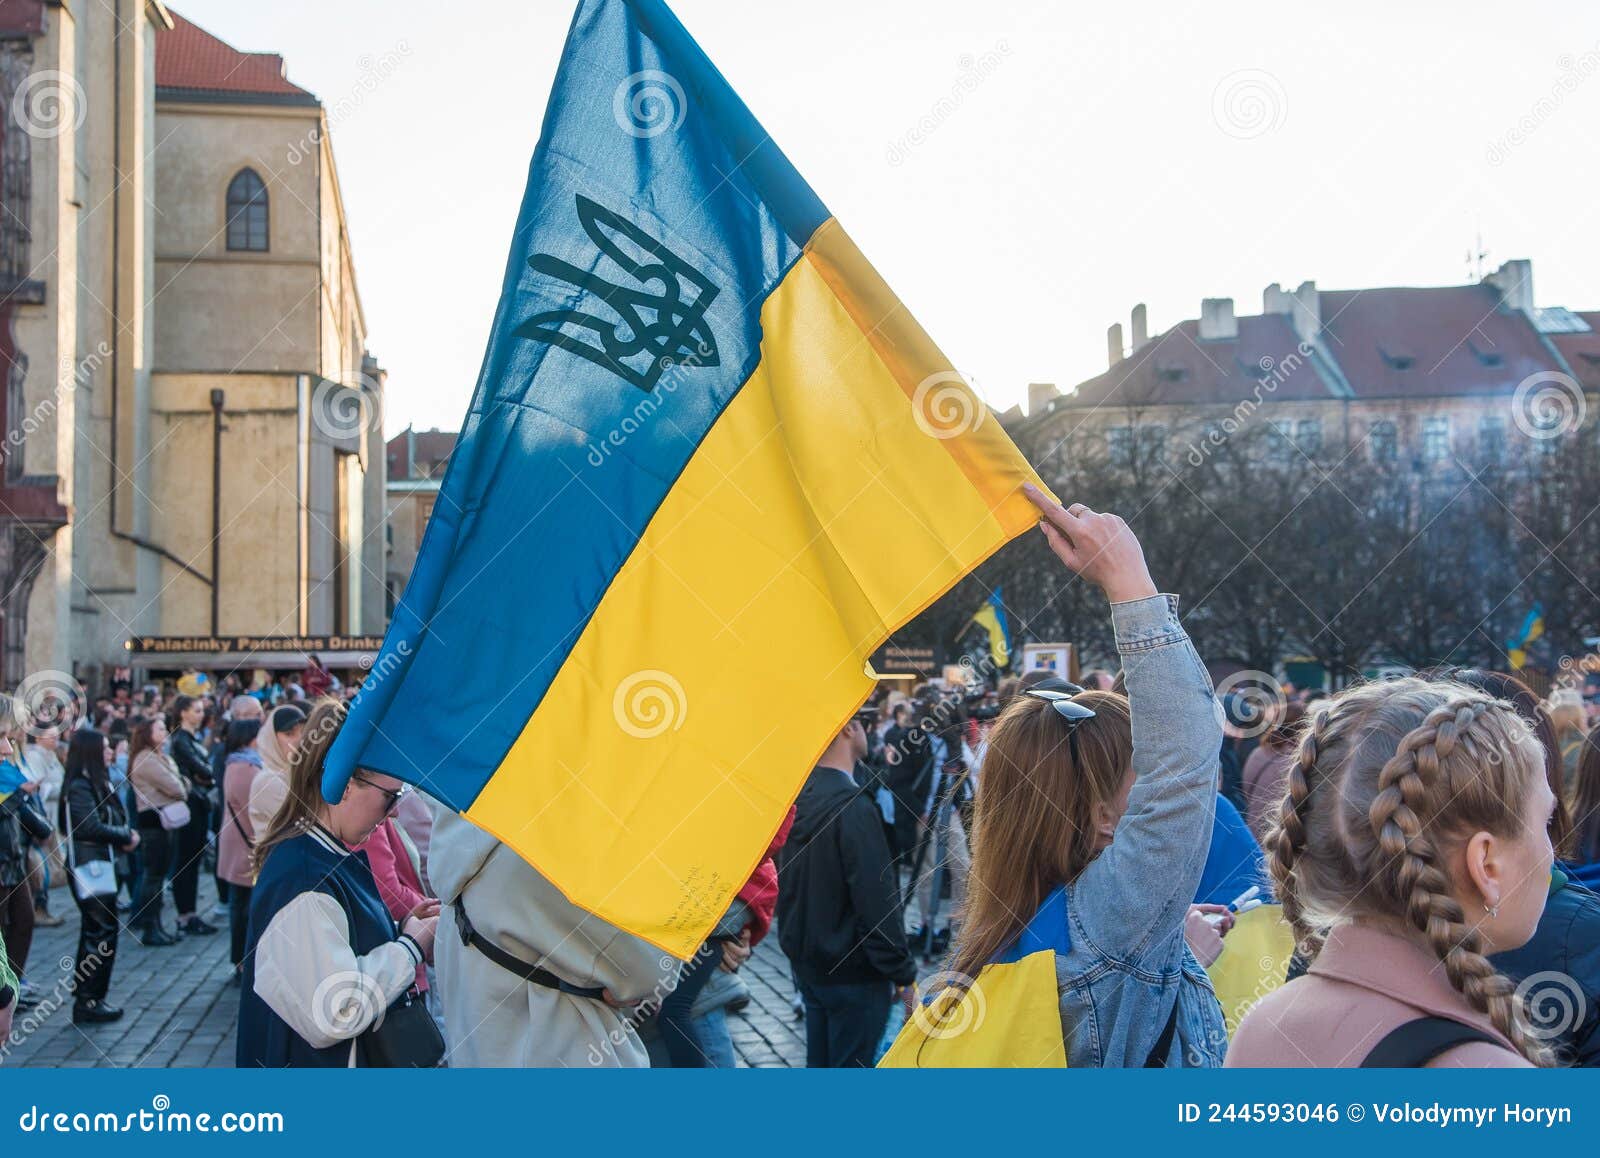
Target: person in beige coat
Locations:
point(492, 1016)
point(1411, 844)
point(275, 743)
point(157, 784)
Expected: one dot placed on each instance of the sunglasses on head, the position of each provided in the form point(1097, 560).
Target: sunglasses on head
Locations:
point(1073, 713)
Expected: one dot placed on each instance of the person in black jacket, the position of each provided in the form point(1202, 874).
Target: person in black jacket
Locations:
point(194, 762)
point(19, 817)
point(839, 918)
point(92, 818)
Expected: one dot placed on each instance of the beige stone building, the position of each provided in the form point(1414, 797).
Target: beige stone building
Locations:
point(193, 420)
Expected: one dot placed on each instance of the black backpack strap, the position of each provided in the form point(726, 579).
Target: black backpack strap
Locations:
point(1416, 1043)
point(1158, 1054)
point(534, 974)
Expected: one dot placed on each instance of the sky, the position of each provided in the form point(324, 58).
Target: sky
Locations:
point(1022, 172)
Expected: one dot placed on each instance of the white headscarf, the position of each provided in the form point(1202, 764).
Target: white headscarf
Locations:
point(273, 747)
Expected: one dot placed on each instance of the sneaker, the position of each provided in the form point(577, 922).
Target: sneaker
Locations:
point(197, 927)
point(27, 995)
point(46, 919)
point(94, 1013)
point(219, 912)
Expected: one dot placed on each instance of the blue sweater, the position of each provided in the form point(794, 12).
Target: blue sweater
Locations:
point(1235, 861)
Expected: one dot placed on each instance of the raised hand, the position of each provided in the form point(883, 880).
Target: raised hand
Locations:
point(1099, 547)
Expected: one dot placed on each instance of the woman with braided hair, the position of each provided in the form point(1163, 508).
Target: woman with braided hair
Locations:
point(1412, 841)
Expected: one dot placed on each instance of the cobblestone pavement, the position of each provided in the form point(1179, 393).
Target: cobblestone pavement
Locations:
point(182, 1010)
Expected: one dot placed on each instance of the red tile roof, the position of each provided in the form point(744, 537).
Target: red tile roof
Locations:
point(1178, 366)
point(1445, 340)
point(420, 453)
point(1582, 351)
point(1376, 343)
point(21, 17)
point(190, 59)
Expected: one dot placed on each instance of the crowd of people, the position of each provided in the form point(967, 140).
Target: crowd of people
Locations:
point(1429, 842)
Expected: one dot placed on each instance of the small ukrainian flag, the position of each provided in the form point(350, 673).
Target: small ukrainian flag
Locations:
point(1531, 630)
point(992, 618)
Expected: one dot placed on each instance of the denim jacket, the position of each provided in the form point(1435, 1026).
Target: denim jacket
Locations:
point(1128, 961)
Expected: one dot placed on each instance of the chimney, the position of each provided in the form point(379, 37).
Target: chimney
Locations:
point(1274, 300)
point(1141, 327)
point(1040, 395)
point(1217, 322)
point(1114, 345)
point(1305, 314)
point(1514, 281)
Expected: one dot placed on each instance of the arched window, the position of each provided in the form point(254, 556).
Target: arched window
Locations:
point(247, 212)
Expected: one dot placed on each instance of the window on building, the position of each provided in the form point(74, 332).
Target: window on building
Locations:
point(1308, 434)
point(1281, 445)
point(1381, 441)
point(247, 212)
point(1119, 444)
point(1435, 438)
point(1153, 443)
point(1491, 438)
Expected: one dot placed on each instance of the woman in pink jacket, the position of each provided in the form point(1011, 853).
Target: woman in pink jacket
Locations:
point(1412, 842)
point(399, 883)
point(236, 839)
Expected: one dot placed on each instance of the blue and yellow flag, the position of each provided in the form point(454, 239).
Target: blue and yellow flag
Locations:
point(1532, 629)
point(992, 618)
point(710, 464)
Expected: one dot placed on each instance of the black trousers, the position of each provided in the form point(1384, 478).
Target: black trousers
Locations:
point(191, 851)
point(845, 1022)
point(238, 920)
point(16, 923)
point(155, 846)
point(97, 946)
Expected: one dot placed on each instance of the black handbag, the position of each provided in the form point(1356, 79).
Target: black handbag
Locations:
point(407, 1037)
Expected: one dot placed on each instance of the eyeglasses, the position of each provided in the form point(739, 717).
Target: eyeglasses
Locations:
point(395, 795)
point(1073, 713)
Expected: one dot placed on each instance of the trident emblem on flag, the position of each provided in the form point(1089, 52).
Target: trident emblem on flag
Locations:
point(659, 318)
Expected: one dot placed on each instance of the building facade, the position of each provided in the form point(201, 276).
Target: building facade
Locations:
point(1431, 377)
point(193, 419)
point(416, 464)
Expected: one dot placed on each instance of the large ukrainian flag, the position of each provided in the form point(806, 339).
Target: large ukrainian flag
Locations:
point(710, 464)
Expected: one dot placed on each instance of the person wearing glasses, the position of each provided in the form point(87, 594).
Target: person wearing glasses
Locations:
point(1093, 824)
point(397, 869)
point(324, 958)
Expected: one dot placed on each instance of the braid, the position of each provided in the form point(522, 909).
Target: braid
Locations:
point(1290, 839)
point(1422, 883)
